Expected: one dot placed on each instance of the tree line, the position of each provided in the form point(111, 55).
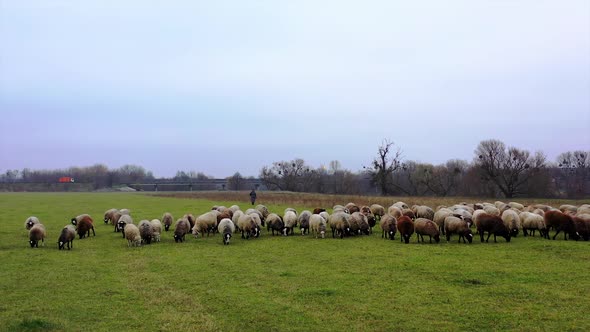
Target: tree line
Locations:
point(495, 171)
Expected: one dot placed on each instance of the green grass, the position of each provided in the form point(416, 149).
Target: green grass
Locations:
point(275, 283)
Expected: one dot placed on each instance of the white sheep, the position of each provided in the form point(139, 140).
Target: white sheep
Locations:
point(303, 221)
point(340, 224)
point(236, 217)
point(511, 221)
point(226, 227)
point(439, 218)
point(531, 222)
point(205, 223)
point(132, 234)
point(325, 215)
point(317, 225)
point(157, 229)
point(455, 225)
point(248, 226)
point(517, 206)
point(377, 210)
point(31, 221)
point(124, 220)
point(290, 220)
point(423, 211)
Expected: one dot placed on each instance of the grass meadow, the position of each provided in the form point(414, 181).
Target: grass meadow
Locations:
point(296, 283)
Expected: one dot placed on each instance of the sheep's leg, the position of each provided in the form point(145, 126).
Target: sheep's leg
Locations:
point(558, 230)
point(495, 238)
point(429, 238)
point(448, 237)
point(93, 233)
point(489, 234)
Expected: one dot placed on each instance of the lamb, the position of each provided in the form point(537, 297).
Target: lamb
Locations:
point(167, 220)
point(454, 225)
point(274, 223)
point(37, 233)
point(67, 236)
point(132, 235)
point(493, 225)
point(339, 223)
point(512, 221)
point(290, 220)
point(157, 229)
point(303, 221)
point(248, 226)
point(181, 228)
point(145, 231)
point(388, 226)
point(560, 222)
point(205, 223)
point(30, 222)
point(124, 220)
point(424, 211)
point(531, 222)
point(428, 227)
point(378, 211)
point(108, 216)
point(317, 224)
point(439, 218)
point(405, 226)
point(226, 227)
point(84, 225)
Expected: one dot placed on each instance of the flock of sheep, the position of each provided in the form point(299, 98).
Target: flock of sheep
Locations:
point(499, 219)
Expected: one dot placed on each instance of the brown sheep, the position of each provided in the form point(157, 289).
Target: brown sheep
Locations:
point(560, 222)
point(409, 213)
point(84, 225)
point(405, 226)
point(167, 220)
point(388, 227)
point(428, 227)
point(493, 225)
point(582, 227)
point(455, 225)
point(318, 210)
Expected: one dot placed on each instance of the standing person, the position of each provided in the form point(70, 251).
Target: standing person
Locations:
point(253, 196)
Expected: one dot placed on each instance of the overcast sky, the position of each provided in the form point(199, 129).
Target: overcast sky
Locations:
point(226, 86)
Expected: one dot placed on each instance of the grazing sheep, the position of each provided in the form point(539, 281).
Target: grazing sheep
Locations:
point(234, 208)
point(124, 220)
point(532, 222)
point(248, 226)
point(409, 213)
point(539, 212)
point(359, 223)
point(224, 210)
point(30, 222)
point(517, 206)
point(274, 222)
point(257, 220)
point(205, 223)
point(424, 211)
point(108, 216)
point(439, 218)
point(317, 224)
point(583, 209)
point(290, 220)
point(405, 226)
point(582, 227)
point(84, 225)
point(303, 221)
point(349, 205)
point(424, 226)
point(560, 222)
point(339, 208)
point(454, 225)
point(353, 209)
point(378, 211)
point(325, 215)
point(181, 228)
point(388, 226)
point(157, 229)
point(491, 210)
point(145, 231)
point(190, 218)
point(132, 234)
point(340, 224)
point(125, 211)
point(237, 215)
point(67, 236)
point(260, 218)
point(290, 209)
point(167, 220)
point(318, 210)
point(395, 211)
point(226, 227)
point(493, 225)
point(37, 233)
point(263, 211)
point(401, 205)
point(221, 216)
point(568, 208)
point(512, 221)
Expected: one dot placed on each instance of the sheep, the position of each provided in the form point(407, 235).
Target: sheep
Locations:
point(560, 222)
point(274, 222)
point(424, 211)
point(568, 208)
point(257, 220)
point(325, 215)
point(226, 227)
point(190, 218)
point(377, 210)
point(254, 211)
point(84, 225)
point(221, 216)
point(517, 206)
point(454, 225)
point(181, 228)
point(145, 231)
point(157, 229)
point(205, 223)
point(401, 205)
point(318, 210)
point(405, 226)
point(108, 216)
point(424, 226)
point(394, 211)
point(388, 226)
point(237, 215)
point(37, 233)
point(30, 222)
point(531, 222)
point(303, 221)
point(317, 224)
point(499, 204)
point(339, 208)
point(491, 210)
point(350, 205)
point(439, 218)
point(409, 213)
point(167, 220)
point(512, 221)
point(582, 227)
point(234, 208)
point(340, 224)
point(248, 226)
point(132, 234)
point(290, 220)
point(290, 209)
point(352, 209)
point(124, 220)
point(583, 209)
point(263, 210)
point(359, 223)
point(67, 236)
point(125, 211)
point(493, 225)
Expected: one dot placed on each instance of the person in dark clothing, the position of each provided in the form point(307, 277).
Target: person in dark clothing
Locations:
point(253, 196)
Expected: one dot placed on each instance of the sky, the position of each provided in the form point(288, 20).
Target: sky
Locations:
point(225, 86)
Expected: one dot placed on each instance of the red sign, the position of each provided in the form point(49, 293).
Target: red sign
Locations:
point(66, 179)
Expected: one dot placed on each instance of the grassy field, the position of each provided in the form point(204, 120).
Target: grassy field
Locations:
point(276, 283)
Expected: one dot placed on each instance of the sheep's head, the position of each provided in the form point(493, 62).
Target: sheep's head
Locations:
point(60, 245)
point(285, 231)
point(177, 238)
point(469, 236)
point(406, 238)
point(514, 232)
point(106, 220)
point(323, 234)
point(33, 243)
point(74, 221)
point(226, 238)
point(391, 234)
point(166, 227)
point(437, 238)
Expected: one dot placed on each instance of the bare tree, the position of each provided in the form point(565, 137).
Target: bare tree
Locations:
point(575, 172)
point(236, 182)
point(509, 169)
point(384, 165)
point(291, 175)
